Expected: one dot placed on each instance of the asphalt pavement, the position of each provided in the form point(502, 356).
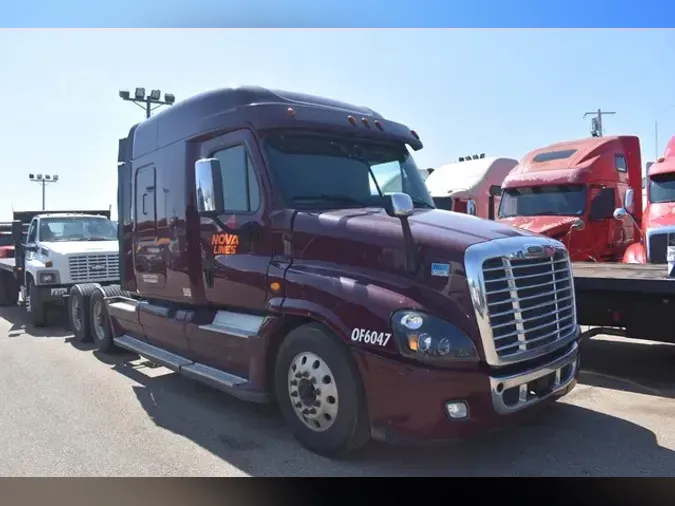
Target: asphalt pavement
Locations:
point(67, 410)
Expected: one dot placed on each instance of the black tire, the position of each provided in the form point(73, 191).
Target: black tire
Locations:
point(38, 309)
point(79, 311)
point(11, 290)
point(101, 330)
point(349, 429)
point(4, 288)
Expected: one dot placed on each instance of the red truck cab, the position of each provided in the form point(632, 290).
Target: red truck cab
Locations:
point(363, 314)
point(658, 219)
point(569, 191)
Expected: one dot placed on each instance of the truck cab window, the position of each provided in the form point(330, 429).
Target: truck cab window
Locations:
point(553, 200)
point(240, 186)
point(661, 188)
point(32, 233)
point(620, 163)
point(335, 172)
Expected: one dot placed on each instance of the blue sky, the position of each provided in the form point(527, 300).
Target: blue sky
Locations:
point(502, 92)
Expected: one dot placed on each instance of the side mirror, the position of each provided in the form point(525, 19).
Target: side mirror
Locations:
point(620, 214)
point(579, 224)
point(471, 207)
point(629, 201)
point(209, 186)
point(398, 205)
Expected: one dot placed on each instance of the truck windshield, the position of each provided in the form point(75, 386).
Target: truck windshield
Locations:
point(76, 229)
point(553, 200)
point(662, 188)
point(321, 171)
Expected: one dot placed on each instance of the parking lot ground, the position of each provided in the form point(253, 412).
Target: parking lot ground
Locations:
point(68, 410)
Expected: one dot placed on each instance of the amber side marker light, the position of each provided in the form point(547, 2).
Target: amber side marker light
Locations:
point(275, 287)
point(413, 340)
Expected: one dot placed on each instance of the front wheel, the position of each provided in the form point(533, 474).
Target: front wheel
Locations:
point(37, 307)
point(319, 392)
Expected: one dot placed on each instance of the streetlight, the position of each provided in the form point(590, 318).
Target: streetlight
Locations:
point(43, 180)
point(146, 101)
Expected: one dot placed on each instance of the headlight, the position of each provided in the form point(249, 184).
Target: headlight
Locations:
point(424, 337)
point(48, 278)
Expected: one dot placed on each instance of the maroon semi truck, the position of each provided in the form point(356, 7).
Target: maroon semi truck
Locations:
point(363, 315)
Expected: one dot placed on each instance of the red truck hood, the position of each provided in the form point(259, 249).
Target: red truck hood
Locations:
point(545, 225)
point(658, 215)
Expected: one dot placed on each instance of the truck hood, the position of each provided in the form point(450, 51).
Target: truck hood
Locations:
point(545, 225)
point(659, 215)
point(362, 233)
point(86, 247)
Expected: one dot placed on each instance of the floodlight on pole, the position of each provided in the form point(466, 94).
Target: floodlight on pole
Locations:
point(147, 101)
point(42, 181)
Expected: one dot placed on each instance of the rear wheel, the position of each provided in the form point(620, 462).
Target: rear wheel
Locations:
point(101, 330)
point(319, 391)
point(79, 312)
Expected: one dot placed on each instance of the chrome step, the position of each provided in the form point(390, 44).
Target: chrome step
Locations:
point(152, 353)
point(213, 377)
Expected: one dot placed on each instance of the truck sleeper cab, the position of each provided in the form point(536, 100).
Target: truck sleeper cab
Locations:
point(471, 185)
point(569, 191)
point(293, 278)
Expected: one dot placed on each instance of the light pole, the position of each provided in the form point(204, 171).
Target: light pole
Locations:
point(146, 101)
point(43, 180)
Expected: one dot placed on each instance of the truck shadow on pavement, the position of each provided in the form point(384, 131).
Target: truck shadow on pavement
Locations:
point(19, 319)
point(563, 440)
point(629, 365)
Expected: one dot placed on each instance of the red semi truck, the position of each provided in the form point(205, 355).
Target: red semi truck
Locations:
point(362, 314)
point(658, 219)
point(569, 191)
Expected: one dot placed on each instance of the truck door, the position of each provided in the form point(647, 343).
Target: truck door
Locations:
point(236, 255)
point(606, 232)
point(29, 246)
point(148, 261)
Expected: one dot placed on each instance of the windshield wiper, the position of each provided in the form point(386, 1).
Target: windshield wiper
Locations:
point(101, 238)
point(336, 197)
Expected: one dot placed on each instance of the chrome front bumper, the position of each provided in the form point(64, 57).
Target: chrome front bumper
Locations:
point(516, 392)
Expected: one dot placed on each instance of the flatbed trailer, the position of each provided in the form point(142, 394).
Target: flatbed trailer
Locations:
point(627, 300)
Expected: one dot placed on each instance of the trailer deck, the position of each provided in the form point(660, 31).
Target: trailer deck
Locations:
point(7, 264)
point(629, 300)
point(616, 277)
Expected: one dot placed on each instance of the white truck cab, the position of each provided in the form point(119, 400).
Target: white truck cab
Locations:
point(64, 249)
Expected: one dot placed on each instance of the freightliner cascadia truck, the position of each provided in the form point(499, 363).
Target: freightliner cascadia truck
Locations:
point(257, 257)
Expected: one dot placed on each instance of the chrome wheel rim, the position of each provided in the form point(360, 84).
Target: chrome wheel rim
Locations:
point(313, 391)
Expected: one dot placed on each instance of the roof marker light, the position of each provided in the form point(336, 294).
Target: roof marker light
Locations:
point(661, 160)
point(352, 120)
point(291, 111)
point(379, 125)
point(365, 122)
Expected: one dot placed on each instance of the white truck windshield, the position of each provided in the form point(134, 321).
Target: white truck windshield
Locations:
point(84, 228)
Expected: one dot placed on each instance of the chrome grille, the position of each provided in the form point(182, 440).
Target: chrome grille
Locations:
point(93, 267)
point(523, 292)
